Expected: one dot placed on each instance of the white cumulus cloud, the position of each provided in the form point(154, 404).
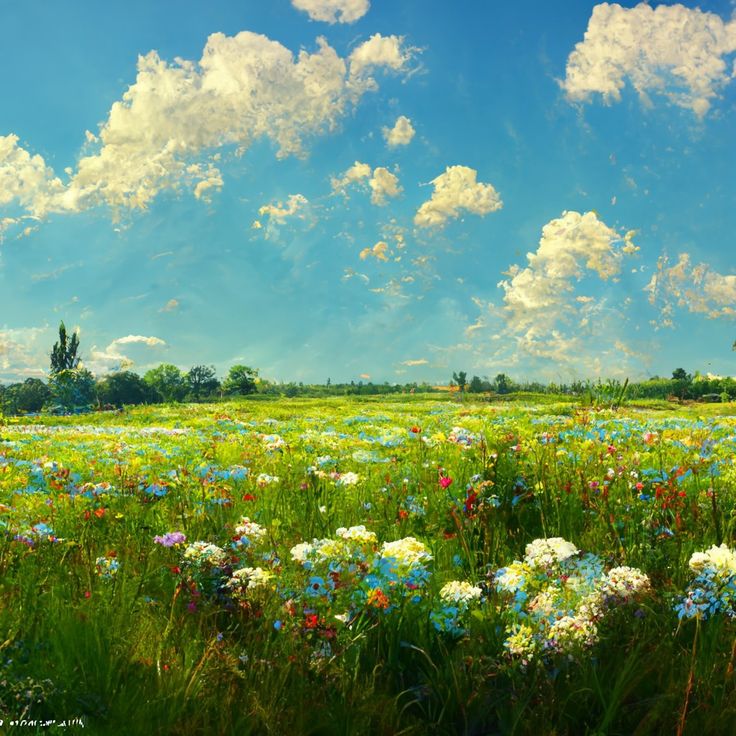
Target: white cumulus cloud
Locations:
point(26, 180)
point(357, 173)
point(166, 131)
point(672, 50)
point(543, 316)
point(455, 191)
point(112, 358)
point(384, 186)
point(401, 134)
point(333, 11)
point(379, 51)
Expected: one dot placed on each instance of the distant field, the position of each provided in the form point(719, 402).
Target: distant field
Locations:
point(409, 564)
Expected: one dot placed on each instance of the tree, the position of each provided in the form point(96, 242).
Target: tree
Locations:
point(167, 381)
point(64, 353)
point(476, 385)
point(460, 379)
point(125, 387)
point(680, 374)
point(240, 380)
point(502, 383)
point(72, 389)
point(202, 380)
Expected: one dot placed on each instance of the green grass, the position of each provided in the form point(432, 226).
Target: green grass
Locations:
point(146, 653)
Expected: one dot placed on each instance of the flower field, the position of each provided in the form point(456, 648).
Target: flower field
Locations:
point(358, 566)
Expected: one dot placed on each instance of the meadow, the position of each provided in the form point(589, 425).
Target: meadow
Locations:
point(408, 565)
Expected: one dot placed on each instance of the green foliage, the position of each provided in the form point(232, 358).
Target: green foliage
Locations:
point(27, 397)
point(125, 387)
point(146, 651)
point(72, 389)
point(201, 380)
point(64, 352)
point(240, 380)
point(502, 383)
point(167, 381)
point(460, 378)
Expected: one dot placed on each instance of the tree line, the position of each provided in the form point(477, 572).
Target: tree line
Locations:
point(71, 387)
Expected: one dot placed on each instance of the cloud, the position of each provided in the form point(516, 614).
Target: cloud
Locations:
point(23, 351)
point(333, 11)
point(454, 191)
point(25, 180)
point(544, 323)
point(401, 134)
point(696, 288)
point(536, 297)
point(357, 173)
point(171, 306)
point(671, 50)
point(379, 251)
point(166, 131)
point(379, 51)
point(112, 358)
point(384, 185)
point(410, 363)
point(278, 213)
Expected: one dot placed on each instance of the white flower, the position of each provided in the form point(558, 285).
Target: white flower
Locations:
point(622, 583)
point(347, 479)
point(250, 529)
point(722, 559)
point(572, 632)
point(406, 552)
point(460, 591)
point(357, 534)
point(205, 553)
point(547, 552)
point(264, 480)
point(248, 578)
point(301, 551)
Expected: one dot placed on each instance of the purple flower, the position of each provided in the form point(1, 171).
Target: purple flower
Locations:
point(170, 539)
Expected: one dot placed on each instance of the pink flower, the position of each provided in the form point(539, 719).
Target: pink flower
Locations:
point(445, 481)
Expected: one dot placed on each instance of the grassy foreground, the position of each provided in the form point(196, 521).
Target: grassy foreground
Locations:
point(356, 566)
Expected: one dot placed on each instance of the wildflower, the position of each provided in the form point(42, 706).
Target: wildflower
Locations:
point(205, 554)
point(460, 592)
point(248, 579)
point(107, 567)
point(546, 552)
point(357, 534)
point(405, 552)
point(170, 539)
point(521, 642)
point(248, 530)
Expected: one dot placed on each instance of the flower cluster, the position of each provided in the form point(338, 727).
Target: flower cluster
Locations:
point(203, 555)
point(457, 597)
point(243, 581)
point(107, 567)
point(713, 588)
point(557, 597)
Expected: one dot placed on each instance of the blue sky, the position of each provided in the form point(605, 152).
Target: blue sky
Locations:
point(353, 189)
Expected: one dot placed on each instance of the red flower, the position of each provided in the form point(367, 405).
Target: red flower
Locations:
point(311, 620)
point(415, 429)
point(445, 481)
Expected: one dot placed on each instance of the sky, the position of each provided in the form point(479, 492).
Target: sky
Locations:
point(370, 189)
